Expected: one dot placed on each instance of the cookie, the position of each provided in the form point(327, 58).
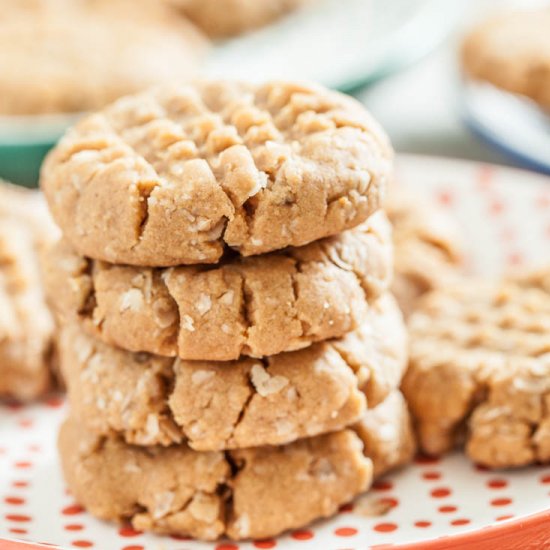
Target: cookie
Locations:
point(428, 248)
point(512, 51)
point(179, 175)
point(26, 326)
point(59, 56)
point(251, 493)
point(479, 372)
point(247, 493)
point(254, 306)
point(244, 403)
point(225, 18)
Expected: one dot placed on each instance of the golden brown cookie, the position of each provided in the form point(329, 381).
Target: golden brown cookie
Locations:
point(224, 18)
point(512, 51)
point(256, 306)
point(77, 55)
point(249, 402)
point(26, 326)
point(179, 175)
point(428, 249)
point(479, 372)
point(250, 493)
point(247, 493)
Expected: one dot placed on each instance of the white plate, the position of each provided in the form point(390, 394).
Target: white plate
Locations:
point(513, 125)
point(505, 216)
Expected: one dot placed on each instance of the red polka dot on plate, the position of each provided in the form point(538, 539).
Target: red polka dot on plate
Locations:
point(17, 530)
point(447, 509)
point(422, 524)
point(545, 479)
point(382, 485)
point(72, 510)
point(14, 501)
point(265, 544)
point(23, 464)
point(496, 207)
point(440, 492)
point(515, 258)
point(345, 531)
point(504, 518)
point(25, 422)
point(20, 484)
point(460, 521)
point(385, 527)
point(444, 197)
point(425, 459)
point(302, 534)
point(497, 483)
point(74, 527)
point(54, 402)
point(82, 543)
point(227, 546)
point(19, 518)
point(128, 531)
point(133, 547)
point(431, 475)
point(501, 501)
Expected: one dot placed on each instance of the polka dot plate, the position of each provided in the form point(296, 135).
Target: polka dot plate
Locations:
point(446, 503)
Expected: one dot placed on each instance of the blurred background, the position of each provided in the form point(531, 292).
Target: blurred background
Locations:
point(62, 58)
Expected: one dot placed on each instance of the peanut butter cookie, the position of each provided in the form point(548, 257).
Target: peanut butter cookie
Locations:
point(26, 326)
point(179, 175)
point(428, 248)
point(480, 372)
point(255, 306)
point(248, 493)
point(224, 18)
point(512, 51)
point(249, 402)
point(59, 56)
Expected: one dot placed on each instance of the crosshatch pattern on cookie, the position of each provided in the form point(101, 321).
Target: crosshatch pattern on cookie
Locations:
point(174, 176)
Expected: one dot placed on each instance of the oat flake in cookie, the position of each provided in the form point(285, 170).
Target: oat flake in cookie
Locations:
point(479, 371)
point(178, 175)
point(225, 405)
point(256, 306)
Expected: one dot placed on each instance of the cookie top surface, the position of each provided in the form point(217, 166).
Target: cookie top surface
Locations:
point(26, 326)
point(177, 175)
point(224, 18)
point(512, 51)
point(61, 56)
point(428, 246)
point(480, 357)
point(254, 306)
point(222, 405)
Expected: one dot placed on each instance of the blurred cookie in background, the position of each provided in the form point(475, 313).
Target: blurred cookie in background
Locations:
point(428, 247)
point(511, 51)
point(26, 326)
point(225, 18)
point(75, 55)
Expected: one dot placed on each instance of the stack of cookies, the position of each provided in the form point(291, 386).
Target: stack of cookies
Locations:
point(227, 337)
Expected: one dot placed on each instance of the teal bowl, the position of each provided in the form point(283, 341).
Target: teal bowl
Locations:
point(24, 142)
